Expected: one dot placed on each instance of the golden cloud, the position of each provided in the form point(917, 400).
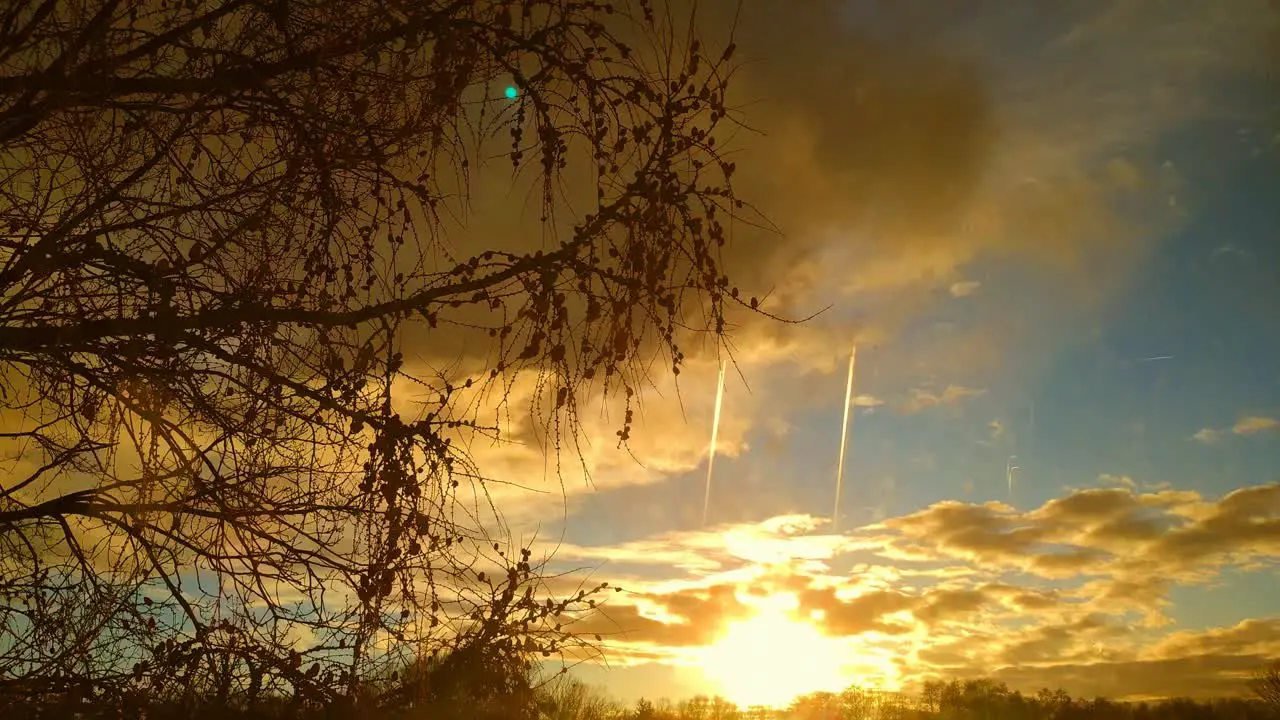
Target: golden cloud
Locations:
point(1046, 596)
point(1100, 531)
point(1254, 424)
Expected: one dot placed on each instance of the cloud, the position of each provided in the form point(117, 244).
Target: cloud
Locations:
point(903, 158)
point(677, 619)
point(1229, 249)
point(1244, 523)
point(712, 552)
point(1254, 424)
point(922, 399)
point(1145, 596)
point(1074, 640)
point(1062, 595)
point(901, 150)
point(913, 146)
point(862, 613)
point(1208, 435)
point(1199, 676)
point(533, 468)
point(1100, 532)
point(996, 429)
point(911, 150)
point(1249, 425)
point(1253, 636)
point(688, 615)
point(1121, 480)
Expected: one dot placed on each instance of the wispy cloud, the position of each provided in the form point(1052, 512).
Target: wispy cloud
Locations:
point(996, 429)
point(1208, 435)
point(922, 399)
point(1122, 480)
point(1250, 425)
point(1129, 483)
point(1255, 424)
point(964, 288)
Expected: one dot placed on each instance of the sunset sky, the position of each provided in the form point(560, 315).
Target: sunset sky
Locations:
point(344, 354)
point(1052, 234)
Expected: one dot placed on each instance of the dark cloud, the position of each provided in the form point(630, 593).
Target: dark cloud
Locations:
point(701, 614)
point(941, 605)
point(1254, 635)
point(1243, 521)
point(1146, 595)
point(1066, 564)
point(716, 604)
point(1032, 601)
point(986, 533)
point(859, 614)
point(1093, 504)
point(1059, 642)
point(625, 623)
point(869, 142)
point(1195, 676)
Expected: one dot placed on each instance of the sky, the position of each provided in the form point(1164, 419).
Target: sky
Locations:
point(1049, 229)
point(1051, 233)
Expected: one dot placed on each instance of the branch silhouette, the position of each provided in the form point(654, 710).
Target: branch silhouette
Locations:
point(230, 237)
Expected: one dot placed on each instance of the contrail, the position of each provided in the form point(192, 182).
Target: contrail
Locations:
point(1031, 429)
point(715, 432)
point(1009, 469)
point(844, 437)
point(1156, 357)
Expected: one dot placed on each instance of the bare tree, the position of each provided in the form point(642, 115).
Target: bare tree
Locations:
point(222, 223)
point(1266, 685)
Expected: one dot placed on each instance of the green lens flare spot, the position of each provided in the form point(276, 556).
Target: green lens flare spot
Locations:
point(511, 92)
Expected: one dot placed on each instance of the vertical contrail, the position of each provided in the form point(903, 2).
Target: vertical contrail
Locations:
point(715, 432)
point(1009, 469)
point(844, 438)
point(1031, 431)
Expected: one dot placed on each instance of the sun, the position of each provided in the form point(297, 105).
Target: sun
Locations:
point(773, 656)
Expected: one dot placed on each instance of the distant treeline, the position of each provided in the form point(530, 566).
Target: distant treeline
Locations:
point(565, 698)
point(980, 699)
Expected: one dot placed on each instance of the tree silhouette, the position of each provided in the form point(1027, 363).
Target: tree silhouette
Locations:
point(972, 698)
point(226, 234)
point(565, 698)
point(1266, 685)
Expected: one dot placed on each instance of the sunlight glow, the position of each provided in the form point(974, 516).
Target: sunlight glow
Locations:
point(774, 656)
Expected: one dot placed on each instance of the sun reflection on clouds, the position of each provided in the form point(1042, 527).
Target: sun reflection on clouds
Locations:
point(781, 608)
